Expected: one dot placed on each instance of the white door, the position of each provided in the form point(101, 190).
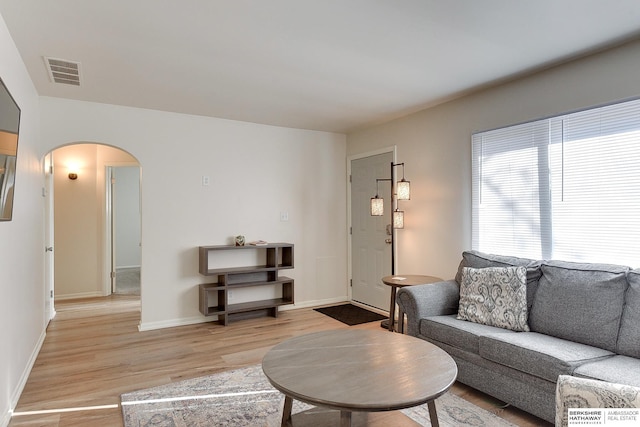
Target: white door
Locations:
point(370, 252)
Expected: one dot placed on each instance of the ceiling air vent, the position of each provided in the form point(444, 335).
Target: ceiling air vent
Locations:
point(63, 71)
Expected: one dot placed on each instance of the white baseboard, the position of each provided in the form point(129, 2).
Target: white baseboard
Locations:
point(80, 295)
point(314, 303)
point(150, 326)
point(15, 395)
point(171, 323)
point(127, 266)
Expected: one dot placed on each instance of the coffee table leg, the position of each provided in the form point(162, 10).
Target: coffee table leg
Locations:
point(286, 412)
point(432, 413)
point(345, 418)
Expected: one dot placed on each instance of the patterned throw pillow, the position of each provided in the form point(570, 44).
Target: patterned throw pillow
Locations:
point(495, 296)
point(575, 392)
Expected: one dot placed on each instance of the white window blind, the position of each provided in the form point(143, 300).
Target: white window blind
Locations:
point(564, 188)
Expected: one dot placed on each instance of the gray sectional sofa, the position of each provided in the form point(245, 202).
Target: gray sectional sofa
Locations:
point(583, 320)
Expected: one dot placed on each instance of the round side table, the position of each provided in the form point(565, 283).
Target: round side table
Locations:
point(400, 281)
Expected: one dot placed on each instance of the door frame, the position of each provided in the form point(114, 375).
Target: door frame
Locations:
point(385, 150)
point(49, 282)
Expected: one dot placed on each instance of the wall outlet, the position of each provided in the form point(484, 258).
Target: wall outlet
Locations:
point(205, 180)
point(284, 216)
point(229, 295)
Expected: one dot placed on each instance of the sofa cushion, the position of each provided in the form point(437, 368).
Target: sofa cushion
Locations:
point(476, 259)
point(540, 355)
point(456, 333)
point(580, 302)
point(629, 335)
point(494, 296)
point(617, 369)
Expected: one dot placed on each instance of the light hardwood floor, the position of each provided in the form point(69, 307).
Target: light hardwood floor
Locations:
point(94, 352)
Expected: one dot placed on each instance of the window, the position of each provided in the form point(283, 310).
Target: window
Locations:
point(565, 188)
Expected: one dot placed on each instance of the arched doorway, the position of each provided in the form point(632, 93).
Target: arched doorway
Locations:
point(83, 224)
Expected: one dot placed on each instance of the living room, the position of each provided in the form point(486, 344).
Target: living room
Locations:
point(258, 171)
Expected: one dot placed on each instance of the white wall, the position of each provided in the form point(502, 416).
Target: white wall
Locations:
point(255, 172)
point(77, 230)
point(435, 144)
point(22, 314)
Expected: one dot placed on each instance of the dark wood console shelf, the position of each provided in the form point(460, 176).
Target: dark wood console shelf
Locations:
point(214, 297)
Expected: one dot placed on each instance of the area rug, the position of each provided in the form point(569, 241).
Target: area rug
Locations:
point(244, 397)
point(350, 314)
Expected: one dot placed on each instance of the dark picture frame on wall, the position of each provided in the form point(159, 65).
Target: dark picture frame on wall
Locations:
point(9, 130)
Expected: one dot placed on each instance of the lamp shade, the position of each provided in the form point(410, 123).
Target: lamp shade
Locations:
point(398, 219)
point(377, 206)
point(403, 190)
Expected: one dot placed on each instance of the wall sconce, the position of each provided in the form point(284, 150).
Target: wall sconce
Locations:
point(73, 168)
point(402, 192)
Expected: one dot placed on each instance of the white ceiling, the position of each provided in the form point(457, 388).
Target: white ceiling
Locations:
point(333, 65)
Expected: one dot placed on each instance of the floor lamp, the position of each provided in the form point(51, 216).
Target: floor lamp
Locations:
point(399, 191)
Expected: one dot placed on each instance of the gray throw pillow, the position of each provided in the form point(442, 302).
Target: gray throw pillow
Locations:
point(495, 296)
point(629, 334)
point(580, 302)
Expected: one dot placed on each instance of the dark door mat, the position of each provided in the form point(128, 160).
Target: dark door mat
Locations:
point(350, 314)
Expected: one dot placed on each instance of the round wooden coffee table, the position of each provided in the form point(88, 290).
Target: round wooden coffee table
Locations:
point(399, 281)
point(361, 371)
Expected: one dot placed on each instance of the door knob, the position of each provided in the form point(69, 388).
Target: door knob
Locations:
point(387, 241)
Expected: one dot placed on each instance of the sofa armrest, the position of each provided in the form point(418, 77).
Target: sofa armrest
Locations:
point(434, 299)
point(575, 392)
